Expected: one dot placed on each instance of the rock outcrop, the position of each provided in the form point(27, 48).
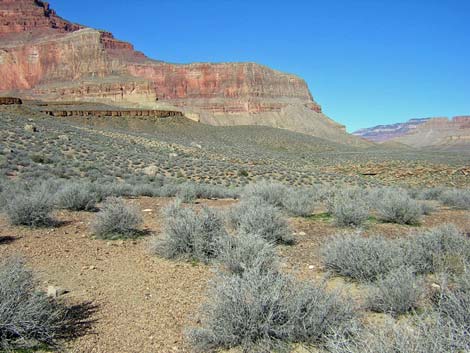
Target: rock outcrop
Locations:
point(43, 56)
point(10, 101)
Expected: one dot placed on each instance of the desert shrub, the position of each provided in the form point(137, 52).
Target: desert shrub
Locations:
point(423, 334)
point(27, 317)
point(115, 189)
point(349, 208)
point(30, 205)
point(187, 193)
point(454, 301)
point(397, 292)
point(168, 190)
point(267, 311)
point(395, 206)
point(242, 252)
point(146, 190)
point(442, 249)
point(458, 199)
point(254, 216)
point(205, 191)
point(116, 220)
point(271, 193)
point(298, 203)
point(430, 194)
point(77, 197)
point(363, 259)
point(427, 208)
point(189, 235)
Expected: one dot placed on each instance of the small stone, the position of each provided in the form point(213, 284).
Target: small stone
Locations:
point(55, 292)
point(147, 210)
point(302, 234)
point(92, 268)
point(30, 128)
point(151, 170)
point(436, 286)
point(311, 267)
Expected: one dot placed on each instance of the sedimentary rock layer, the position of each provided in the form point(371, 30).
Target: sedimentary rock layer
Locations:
point(43, 56)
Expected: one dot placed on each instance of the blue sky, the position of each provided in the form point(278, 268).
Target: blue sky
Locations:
point(367, 62)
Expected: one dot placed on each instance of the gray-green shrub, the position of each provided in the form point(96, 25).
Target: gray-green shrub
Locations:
point(458, 199)
point(255, 216)
point(116, 220)
point(27, 317)
point(190, 235)
point(270, 192)
point(187, 193)
point(395, 206)
point(243, 252)
point(30, 206)
point(426, 334)
point(454, 301)
point(349, 208)
point(298, 203)
point(360, 258)
point(266, 311)
point(442, 249)
point(397, 292)
point(77, 197)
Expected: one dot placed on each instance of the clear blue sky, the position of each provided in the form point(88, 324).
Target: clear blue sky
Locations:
point(367, 62)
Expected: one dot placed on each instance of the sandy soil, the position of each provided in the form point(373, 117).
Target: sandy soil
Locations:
point(144, 303)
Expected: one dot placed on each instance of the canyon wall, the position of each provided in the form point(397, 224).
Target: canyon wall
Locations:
point(438, 132)
point(43, 56)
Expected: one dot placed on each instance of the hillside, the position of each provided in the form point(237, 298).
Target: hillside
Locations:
point(43, 56)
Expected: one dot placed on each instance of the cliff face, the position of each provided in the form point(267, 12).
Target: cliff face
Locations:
point(382, 133)
point(43, 56)
point(437, 133)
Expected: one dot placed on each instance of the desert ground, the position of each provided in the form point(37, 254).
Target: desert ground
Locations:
point(135, 300)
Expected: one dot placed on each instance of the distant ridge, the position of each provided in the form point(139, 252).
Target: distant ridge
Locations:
point(382, 133)
point(435, 133)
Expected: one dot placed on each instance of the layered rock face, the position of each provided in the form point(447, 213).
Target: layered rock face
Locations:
point(43, 56)
point(382, 133)
point(442, 133)
point(19, 16)
point(439, 133)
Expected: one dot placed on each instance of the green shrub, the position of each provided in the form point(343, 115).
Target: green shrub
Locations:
point(117, 220)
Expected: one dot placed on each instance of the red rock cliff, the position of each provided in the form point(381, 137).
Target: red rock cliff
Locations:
point(17, 16)
point(44, 56)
